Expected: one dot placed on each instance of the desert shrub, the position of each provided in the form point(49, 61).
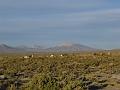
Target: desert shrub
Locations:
point(74, 84)
point(42, 82)
point(58, 73)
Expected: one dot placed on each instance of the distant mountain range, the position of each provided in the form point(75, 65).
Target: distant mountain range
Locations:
point(60, 48)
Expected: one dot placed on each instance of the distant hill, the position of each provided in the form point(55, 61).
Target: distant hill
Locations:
point(70, 48)
point(6, 49)
point(60, 48)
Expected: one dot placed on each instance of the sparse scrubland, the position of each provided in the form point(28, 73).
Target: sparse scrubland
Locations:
point(74, 71)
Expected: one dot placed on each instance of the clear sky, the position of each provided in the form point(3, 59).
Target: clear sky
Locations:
point(94, 23)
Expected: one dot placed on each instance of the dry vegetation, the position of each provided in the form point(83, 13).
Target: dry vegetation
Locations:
point(77, 71)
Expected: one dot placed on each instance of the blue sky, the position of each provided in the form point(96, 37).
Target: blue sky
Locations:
point(95, 23)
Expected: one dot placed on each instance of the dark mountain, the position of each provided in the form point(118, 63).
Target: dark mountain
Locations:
point(5, 48)
point(70, 48)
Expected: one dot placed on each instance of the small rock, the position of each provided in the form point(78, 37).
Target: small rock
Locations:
point(2, 77)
